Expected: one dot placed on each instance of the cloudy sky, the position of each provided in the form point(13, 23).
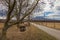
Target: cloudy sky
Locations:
point(56, 13)
point(50, 11)
point(48, 7)
point(2, 7)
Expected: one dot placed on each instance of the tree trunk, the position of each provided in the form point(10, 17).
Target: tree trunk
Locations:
point(3, 37)
point(4, 30)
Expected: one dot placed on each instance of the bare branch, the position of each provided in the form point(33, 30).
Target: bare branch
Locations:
point(27, 13)
point(10, 10)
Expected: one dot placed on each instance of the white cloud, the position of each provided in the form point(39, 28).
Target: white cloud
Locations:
point(54, 16)
point(2, 17)
point(57, 3)
point(37, 14)
point(2, 7)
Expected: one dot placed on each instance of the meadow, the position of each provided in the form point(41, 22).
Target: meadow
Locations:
point(55, 25)
point(31, 33)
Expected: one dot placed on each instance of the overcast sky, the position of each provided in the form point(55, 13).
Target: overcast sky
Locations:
point(46, 9)
point(54, 13)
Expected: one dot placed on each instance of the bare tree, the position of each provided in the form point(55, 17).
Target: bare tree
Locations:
point(16, 8)
point(10, 9)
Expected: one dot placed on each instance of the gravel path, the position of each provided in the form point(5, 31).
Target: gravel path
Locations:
point(53, 32)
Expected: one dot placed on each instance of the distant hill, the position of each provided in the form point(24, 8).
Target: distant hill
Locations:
point(38, 18)
point(42, 18)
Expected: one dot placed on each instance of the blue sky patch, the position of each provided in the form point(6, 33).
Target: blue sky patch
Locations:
point(47, 13)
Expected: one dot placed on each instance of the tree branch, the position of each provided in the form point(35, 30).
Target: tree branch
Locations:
point(28, 13)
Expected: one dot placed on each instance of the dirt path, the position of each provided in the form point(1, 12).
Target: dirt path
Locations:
point(53, 32)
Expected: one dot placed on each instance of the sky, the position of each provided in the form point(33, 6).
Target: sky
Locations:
point(2, 7)
point(56, 13)
point(49, 10)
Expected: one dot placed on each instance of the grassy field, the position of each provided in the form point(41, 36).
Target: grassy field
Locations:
point(55, 25)
point(32, 33)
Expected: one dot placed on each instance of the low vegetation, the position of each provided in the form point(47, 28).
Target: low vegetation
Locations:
point(32, 33)
point(55, 25)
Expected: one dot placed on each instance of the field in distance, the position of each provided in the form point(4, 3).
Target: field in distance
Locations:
point(55, 25)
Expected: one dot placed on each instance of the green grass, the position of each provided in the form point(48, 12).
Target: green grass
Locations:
point(32, 33)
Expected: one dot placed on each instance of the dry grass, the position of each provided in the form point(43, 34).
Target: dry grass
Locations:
point(55, 25)
point(32, 33)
